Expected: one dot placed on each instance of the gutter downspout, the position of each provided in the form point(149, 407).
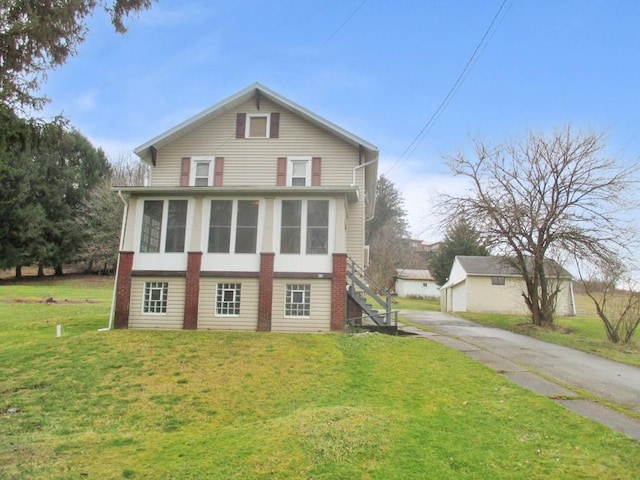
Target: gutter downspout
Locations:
point(353, 181)
point(115, 282)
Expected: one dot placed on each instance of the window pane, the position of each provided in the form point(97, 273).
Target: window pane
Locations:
point(176, 226)
point(318, 213)
point(299, 173)
point(155, 297)
point(220, 226)
point(202, 169)
point(151, 226)
point(297, 301)
point(247, 226)
point(291, 226)
point(317, 227)
point(258, 127)
point(228, 299)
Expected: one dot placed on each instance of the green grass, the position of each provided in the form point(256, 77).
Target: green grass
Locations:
point(405, 303)
point(223, 405)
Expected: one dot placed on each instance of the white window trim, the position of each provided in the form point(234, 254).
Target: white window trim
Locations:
point(155, 314)
point(235, 292)
point(248, 124)
point(192, 170)
point(290, 160)
point(285, 300)
point(303, 228)
point(206, 216)
point(163, 231)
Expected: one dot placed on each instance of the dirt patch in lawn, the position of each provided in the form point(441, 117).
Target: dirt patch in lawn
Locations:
point(50, 300)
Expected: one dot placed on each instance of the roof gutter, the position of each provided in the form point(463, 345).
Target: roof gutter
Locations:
point(115, 282)
point(353, 180)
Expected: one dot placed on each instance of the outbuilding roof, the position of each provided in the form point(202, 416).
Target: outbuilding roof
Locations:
point(501, 266)
point(406, 274)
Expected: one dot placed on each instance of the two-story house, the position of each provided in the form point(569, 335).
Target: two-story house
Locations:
point(252, 208)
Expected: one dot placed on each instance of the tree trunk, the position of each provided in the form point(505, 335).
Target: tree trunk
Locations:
point(40, 270)
point(58, 271)
point(18, 271)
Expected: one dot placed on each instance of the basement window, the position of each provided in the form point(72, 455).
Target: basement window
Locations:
point(297, 301)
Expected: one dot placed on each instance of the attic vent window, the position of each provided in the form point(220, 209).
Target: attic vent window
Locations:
point(257, 126)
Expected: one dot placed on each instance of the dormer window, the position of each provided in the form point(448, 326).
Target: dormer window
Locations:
point(299, 172)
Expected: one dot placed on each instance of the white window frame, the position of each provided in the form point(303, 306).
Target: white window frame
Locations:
point(292, 288)
point(234, 226)
point(237, 298)
point(290, 162)
point(163, 226)
point(164, 297)
point(303, 262)
point(247, 132)
point(192, 171)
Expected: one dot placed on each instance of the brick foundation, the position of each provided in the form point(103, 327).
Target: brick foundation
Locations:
point(265, 292)
point(123, 290)
point(354, 312)
point(192, 291)
point(339, 292)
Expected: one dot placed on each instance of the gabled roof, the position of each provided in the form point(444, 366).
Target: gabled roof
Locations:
point(500, 266)
point(229, 103)
point(406, 274)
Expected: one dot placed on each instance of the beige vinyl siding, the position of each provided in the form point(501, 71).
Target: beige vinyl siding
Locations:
point(252, 161)
point(320, 318)
point(248, 318)
point(482, 296)
point(174, 317)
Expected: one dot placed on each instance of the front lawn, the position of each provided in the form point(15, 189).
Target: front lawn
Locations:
point(223, 405)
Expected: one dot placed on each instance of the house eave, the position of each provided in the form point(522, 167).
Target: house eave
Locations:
point(349, 192)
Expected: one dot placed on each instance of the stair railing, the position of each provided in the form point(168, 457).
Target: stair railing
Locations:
point(359, 281)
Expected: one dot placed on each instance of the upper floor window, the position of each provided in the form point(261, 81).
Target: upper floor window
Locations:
point(202, 173)
point(154, 211)
point(497, 280)
point(233, 223)
point(299, 172)
point(257, 126)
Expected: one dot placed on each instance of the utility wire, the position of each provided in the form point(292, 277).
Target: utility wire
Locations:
point(420, 136)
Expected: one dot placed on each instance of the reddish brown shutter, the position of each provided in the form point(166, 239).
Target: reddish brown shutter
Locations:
point(274, 128)
point(241, 120)
point(184, 171)
point(316, 171)
point(217, 173)
point(281, 179)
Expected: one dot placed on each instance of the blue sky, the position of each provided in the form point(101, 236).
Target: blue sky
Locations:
point(378, 68)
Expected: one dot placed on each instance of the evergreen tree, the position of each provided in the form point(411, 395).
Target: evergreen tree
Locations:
point(389, 211)
point(69, 167)
point(38, 36)
point(460, 239)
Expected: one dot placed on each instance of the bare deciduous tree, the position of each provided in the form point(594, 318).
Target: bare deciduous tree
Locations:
point(616, 298)
point(543, 197)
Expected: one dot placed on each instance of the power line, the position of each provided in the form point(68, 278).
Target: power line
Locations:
point(420, 136)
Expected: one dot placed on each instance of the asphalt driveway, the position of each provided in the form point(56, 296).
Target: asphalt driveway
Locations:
point(566, 375)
